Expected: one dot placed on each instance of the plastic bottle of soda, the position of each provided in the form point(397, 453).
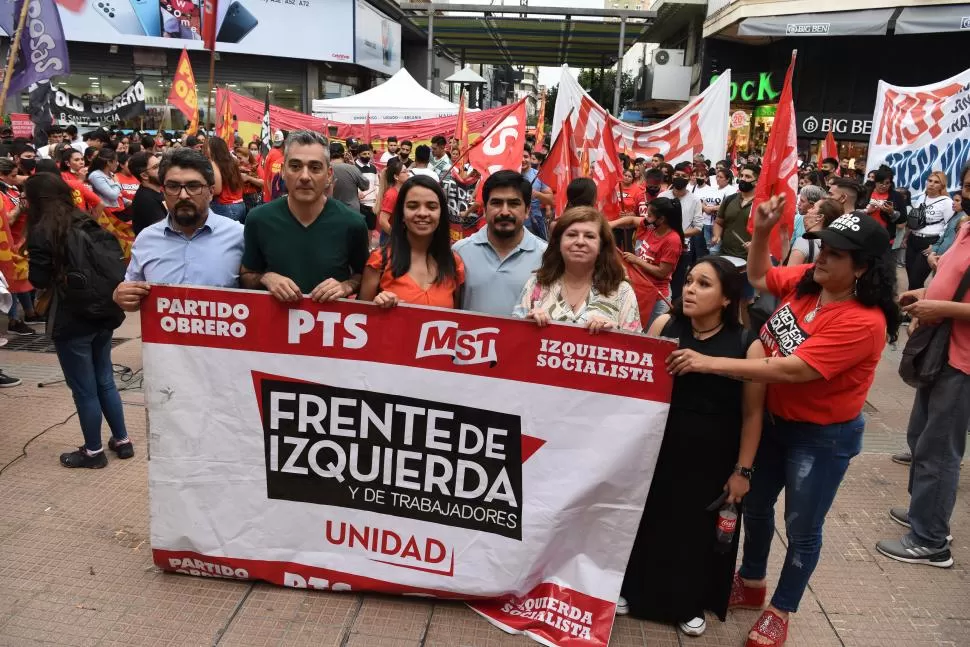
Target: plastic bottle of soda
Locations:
point(727, 525)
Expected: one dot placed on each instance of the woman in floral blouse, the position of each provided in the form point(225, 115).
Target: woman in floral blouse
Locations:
point(581, 279)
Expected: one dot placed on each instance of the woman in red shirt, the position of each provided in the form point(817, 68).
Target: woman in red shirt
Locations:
point(657, 249)
point(822, 346)
point(395, 174)
point(416, 265)
point(228, 188)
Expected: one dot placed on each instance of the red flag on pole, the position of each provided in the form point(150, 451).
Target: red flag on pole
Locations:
point(557, 171)
point(226, 129)
point(210, 9)
point(828, 148)
point(607, 175)
point(367, 136)
point(541, 123)
point(779, 170)
point(461, 126)
point(501, 147)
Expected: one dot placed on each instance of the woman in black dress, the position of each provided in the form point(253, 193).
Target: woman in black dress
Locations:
point(676, 571)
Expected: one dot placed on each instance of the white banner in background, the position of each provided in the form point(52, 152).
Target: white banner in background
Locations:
point(699, 127)
point(462, 456)
point(918, 130)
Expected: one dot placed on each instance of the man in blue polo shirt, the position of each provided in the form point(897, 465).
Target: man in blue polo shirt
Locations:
point(192, 246)
point(500, 257)
point(542, 196)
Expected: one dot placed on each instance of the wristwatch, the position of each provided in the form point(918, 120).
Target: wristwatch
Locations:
point(746, 472)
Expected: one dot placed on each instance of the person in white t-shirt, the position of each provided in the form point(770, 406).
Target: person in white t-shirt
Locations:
point(55, 135)
point(711, 197)
point(422, 158)
point(391, 149)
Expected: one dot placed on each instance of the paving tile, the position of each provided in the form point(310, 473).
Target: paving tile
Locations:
point(393, 617)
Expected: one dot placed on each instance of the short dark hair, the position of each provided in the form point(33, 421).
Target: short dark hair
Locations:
point(187, 158)
point(422, 153)
point(408, 142)
point(364, 148)
point(653, 174)
point(439, 140)
point(46, 166)
point(660, 155)
point(881, 175)
point(392, 138)
point(71, 130)
point(684, 167)
point(138, 163)
point(147, 142)
point(507, 179)
point(754, 168)
point(830, 160)
point(336, 150)
point(191, 141)
point(20, 147)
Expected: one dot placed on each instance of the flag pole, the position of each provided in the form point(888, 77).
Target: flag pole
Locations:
point(12, 57)
point(212, 81)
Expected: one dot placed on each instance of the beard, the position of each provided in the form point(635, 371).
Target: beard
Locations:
point(186, 214)
point(504, 233)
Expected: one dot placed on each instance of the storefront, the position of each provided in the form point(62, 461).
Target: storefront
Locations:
point(850, 130)
point(753, 108)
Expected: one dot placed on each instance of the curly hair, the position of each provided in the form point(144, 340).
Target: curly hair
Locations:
point(876, 287)
point(608, 272)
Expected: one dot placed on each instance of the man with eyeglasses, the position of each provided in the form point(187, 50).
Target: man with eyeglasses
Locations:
point(193, 245)
point(304, 242)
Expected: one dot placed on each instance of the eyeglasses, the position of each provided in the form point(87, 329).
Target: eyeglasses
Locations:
point(192, 188)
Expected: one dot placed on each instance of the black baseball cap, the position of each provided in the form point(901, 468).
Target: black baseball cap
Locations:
point(856, 231)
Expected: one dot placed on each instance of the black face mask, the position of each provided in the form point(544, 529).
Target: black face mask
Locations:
point(653, 190)
point(28, 165)
point(745, 187)
point(534, 164)
point(701, 181)
point(679, 183)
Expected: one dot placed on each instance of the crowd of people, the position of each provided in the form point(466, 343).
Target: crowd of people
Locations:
point(783, 391)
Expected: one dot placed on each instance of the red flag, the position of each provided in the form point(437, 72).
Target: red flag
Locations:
point(209, 12)
point(367, 136)
point(557, 171)
point(734, 158)
point(461, 126)
point(541, 122)
point(226, 129)
point(828, 148)
point(779, 170)
point(501, 147)
point(183, 95)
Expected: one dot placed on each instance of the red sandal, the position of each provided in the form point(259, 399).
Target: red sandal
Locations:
point(772, 627)
point(746, 597)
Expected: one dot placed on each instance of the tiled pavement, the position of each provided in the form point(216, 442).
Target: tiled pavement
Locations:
point(75, 565)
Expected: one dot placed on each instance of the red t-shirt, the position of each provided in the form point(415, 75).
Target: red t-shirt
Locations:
point(631, 197)
point(878, 214)
point(657, 249)
point(843, 343)
point(389, 200)
point(84, 197)
point(129, 184)
point(949, 272)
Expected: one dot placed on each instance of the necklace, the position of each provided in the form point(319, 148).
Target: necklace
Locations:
point(697, 332)
point(810, 317)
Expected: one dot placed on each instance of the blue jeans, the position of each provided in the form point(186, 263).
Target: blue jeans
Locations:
point(86, 363)
point(659, 308)
point(235, 211)
point(808, 461)
point(21, 301)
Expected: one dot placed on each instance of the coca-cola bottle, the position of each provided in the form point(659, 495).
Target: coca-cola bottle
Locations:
point(727, 525)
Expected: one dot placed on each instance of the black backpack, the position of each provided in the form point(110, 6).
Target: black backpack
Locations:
point(95, 266)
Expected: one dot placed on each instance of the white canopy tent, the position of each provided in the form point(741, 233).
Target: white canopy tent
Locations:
point(398, 99)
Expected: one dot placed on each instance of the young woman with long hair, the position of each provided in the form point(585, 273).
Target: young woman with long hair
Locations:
point(581, 279)
point(228, 189)
point(938, 207)
point(822, 347)
point(416, 265)
point(71, 255)
point(394, 176)
point(714, 439)
point(101, 177)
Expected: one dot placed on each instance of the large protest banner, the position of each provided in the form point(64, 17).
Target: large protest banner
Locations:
point(409, 451)
point(699, 127)
point(918, 130)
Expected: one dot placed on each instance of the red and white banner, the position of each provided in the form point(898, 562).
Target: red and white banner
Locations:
point(779, 168)
point(918, 130)
point(699, 127)
point(463, 456)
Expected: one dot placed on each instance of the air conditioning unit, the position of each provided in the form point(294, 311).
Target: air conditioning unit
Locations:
point(667, 77)
point(668, 57)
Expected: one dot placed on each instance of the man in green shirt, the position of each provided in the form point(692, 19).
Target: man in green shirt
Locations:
point(304, 242)
point(731, 227)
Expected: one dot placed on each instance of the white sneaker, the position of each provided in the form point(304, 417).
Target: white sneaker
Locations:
point(622, 608)
point(694, 626)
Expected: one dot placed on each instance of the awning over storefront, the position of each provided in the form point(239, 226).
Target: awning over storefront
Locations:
point(934, 19)
point(868, 22)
